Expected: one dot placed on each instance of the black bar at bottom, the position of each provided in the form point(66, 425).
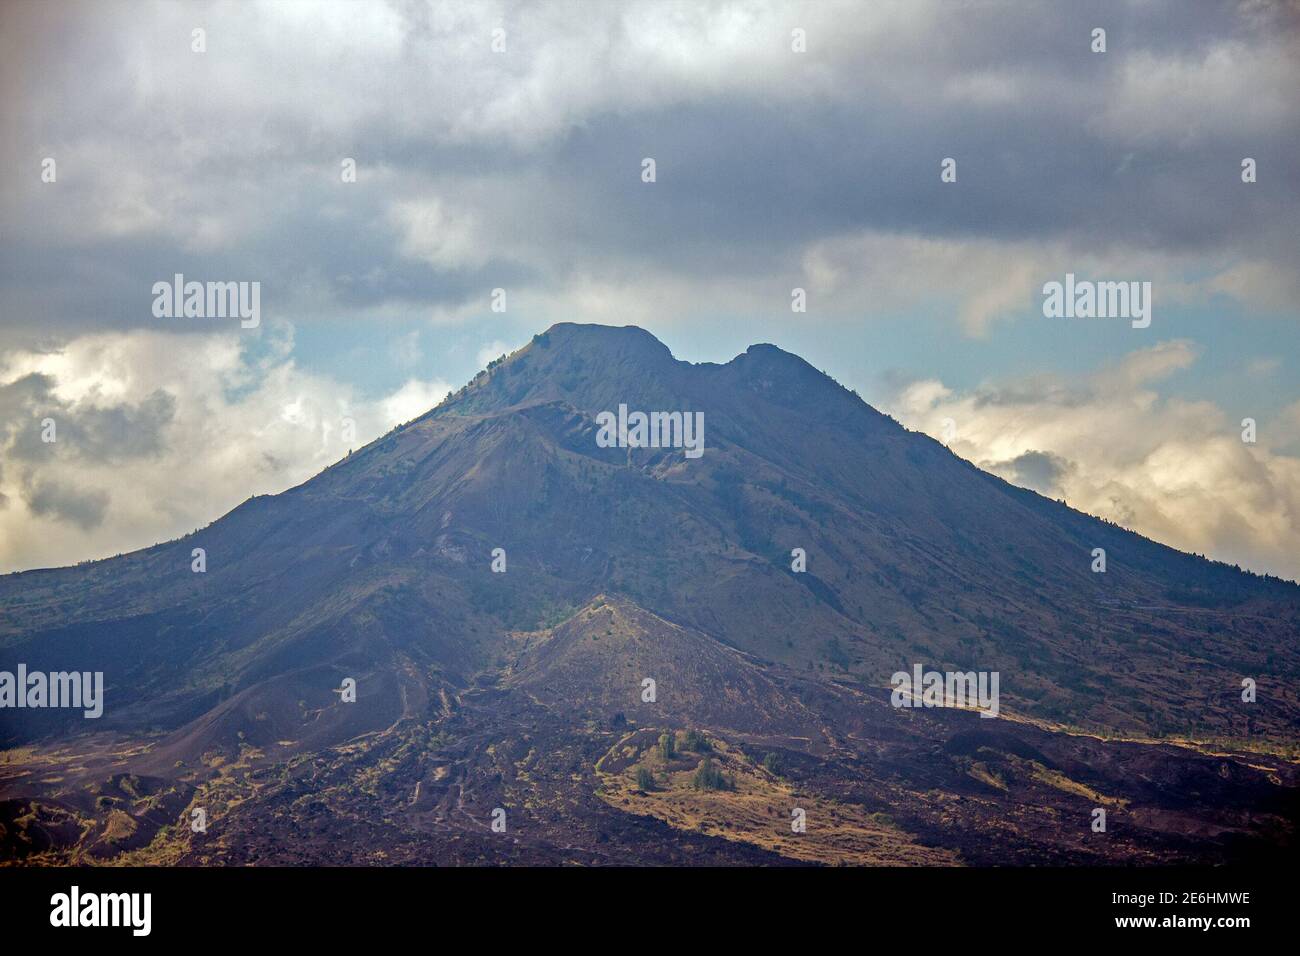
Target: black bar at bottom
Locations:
point(327, 906)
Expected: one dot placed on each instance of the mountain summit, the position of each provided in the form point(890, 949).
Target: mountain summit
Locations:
point(496, 574)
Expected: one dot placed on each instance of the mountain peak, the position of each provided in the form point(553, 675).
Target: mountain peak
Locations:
point(767, 356)
point(626, 340)
point(591, 367)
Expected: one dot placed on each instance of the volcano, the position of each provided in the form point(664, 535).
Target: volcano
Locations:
point(494, 635)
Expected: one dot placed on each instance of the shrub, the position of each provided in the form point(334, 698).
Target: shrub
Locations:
point(709, 777)
point(695, 742)
point(667, 748)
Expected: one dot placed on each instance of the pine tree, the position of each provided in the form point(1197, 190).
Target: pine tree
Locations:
point(667, 748)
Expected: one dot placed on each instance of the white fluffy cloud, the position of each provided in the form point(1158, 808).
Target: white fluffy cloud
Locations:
point(1112, 445)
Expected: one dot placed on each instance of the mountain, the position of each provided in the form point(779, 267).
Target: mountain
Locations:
point(524, 690)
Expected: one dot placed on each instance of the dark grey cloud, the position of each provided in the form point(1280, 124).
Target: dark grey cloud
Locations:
point(48, 498)
point(1039, 471)
point(83, 431)
point(22, 402)
point(1044, 390)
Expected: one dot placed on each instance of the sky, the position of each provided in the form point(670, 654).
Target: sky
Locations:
point(501, 145)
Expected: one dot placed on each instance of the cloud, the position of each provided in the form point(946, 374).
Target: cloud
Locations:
point(1264, 366)
point(1224, 88)
point(432, 231)
point(520, 169)
point(1109, 443)
point(85, 509)
point(413, 399)
point(1037, 470)
point(90, 432)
